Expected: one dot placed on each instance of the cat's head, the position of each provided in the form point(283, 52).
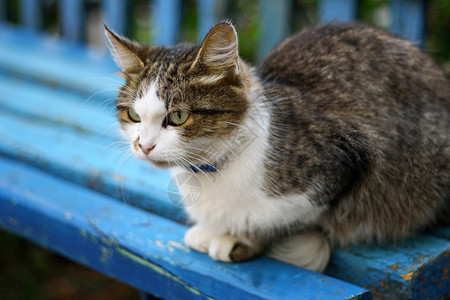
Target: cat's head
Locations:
point(182, 105)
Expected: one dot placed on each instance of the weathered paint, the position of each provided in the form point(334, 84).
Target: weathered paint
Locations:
point(83, 159)
point(414, 268)
point(158, 270)
point(44, 103)
point(107, 235)
point(44, 59)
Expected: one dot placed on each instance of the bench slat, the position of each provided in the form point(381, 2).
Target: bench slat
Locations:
point(48, 60)
point(208, 16)
point(87, 160)
point(142, 249)
point(53, 105)
point(73, 19)
point(115, 12)
point(275, 20)
point(413, 269)
point(340, 11)
point(408, 19)
point(166, 21)
point(31, 13)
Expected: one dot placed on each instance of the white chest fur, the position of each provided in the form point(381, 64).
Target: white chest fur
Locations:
point(233, 201)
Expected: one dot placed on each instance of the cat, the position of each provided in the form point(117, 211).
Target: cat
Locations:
point(339, 137)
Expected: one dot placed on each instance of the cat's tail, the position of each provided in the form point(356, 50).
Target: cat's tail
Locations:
point(310, 250)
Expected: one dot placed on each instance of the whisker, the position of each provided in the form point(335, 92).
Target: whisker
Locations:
point(212, 183)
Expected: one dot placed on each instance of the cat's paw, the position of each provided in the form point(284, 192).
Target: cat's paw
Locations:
point(224, 248)
point(309, 250)
point(221, 246)
point(198, 238)
point(242, 252)
point(228, 249)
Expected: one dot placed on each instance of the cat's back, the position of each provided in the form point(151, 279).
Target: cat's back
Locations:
point(349, 57)
point(367, 114)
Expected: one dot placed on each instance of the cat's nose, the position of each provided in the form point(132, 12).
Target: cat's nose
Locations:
point(146, 148)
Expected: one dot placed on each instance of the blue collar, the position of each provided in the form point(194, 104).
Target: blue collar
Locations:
point(203, 168)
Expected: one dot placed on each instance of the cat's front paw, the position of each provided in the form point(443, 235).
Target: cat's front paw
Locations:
point(224, 248)
point(198, 238)
point(221, 247)
point(228, 249)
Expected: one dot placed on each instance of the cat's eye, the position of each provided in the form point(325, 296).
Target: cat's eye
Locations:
point(133, 115)
point(177, 118)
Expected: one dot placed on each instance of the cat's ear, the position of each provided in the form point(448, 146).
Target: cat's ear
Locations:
point(124, 52)
point(219, 50)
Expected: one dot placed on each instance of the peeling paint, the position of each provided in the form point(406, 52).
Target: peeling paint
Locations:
point(394, 267)
point(106, 255)
point(179, 246)
point(108, 241)
point(83, 233)
point(170, 245)
point(358, 297)
point(445, 276)
point(28, 230)
point(68, 216)
point(83, 260)
point(118, 177)
point(158, 269)
point(13, 222)
point(407, 276)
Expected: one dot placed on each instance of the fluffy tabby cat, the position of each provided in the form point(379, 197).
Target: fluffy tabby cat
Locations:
point(340, 136)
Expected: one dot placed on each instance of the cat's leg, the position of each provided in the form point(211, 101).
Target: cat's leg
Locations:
point(310, 250)
point(223, 247)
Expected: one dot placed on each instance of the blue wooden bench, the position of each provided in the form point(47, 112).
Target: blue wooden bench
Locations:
point(65, 185)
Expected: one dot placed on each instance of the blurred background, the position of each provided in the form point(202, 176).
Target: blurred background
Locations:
point(142, 21)
point(30, 272)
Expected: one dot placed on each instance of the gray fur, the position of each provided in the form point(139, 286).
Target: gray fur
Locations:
point(361, 117)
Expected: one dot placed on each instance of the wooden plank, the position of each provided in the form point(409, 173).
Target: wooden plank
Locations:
point(337, 10)
point(166, 21)
point(31, 14)
point(142, 249)
point(408, 19)
point(275, 20)
point(208, 16)
point(88, 160)
point(413, 269)
point(115, 12)
point(72, 20)
point(45, 59)
point(37, 101)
